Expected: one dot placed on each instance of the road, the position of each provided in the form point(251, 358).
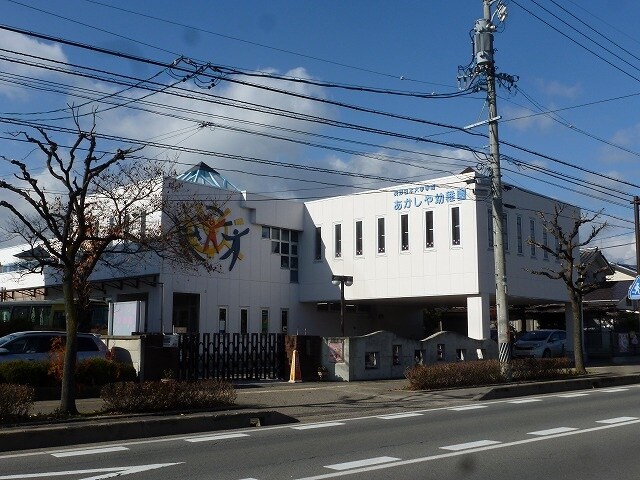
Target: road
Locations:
point(575, 435)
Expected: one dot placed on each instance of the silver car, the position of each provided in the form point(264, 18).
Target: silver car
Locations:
point(36, 345)
point(541, 344)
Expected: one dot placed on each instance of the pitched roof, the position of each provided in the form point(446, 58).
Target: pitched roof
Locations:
point(205, 175)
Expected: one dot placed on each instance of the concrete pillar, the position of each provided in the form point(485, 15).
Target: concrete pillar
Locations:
point(478, 317)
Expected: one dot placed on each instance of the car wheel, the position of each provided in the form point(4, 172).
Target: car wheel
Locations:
point(546, 353)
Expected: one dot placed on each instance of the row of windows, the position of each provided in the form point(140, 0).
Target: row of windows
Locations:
point(244, 320)
point(381, 241)
point(520, 240)
point(284, 242)
point(429, 235)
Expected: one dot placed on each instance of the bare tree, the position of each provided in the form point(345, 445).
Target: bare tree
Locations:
point(98, 210)
point(579, 277)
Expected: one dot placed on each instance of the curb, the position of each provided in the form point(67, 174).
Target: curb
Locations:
point(93, 430)
point(555, 386)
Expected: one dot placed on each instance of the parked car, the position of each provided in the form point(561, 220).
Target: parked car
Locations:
point(540, 343)
point(36, 345)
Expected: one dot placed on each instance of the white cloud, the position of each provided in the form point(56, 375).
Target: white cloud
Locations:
point(553, 88)
point(523, 119)
point(21, 43)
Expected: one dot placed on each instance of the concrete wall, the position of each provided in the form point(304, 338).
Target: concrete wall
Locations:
point(126, 350)
point(384, 355)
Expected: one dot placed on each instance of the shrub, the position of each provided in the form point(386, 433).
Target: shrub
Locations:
point(484, 372)
point(23, 372)
point(98, 372)
point(15, 401)
point(132, 397)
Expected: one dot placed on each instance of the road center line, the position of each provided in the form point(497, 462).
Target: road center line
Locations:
point(467, 407)
point(393, 416)
point(613, 390)
point(361, 463)
point(470, 445)
point(525, 400)
point(212, 438)
point(573, 395)
point(88, 451)
point(317, 425)
point(553, 431)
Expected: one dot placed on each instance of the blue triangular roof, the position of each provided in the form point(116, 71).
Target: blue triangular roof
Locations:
point(205, 175)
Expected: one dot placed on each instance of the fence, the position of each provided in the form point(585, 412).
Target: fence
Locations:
point(232, 356)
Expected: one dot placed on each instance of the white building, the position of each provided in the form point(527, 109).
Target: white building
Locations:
point(408, 248)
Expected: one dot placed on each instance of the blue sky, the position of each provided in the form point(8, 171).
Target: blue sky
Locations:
point(586, 153)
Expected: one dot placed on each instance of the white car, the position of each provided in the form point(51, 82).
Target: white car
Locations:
point(36, 345)
point(540, 344)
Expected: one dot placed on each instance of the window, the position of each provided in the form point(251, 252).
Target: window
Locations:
point(381, 243)
point(404, 232)
point(337, 240)
point(519, 234)
point(318, 244)
point(359, 238)
point(428, 228)
point(532, 236)
point(545, 242)
point(284, 320)
point(455, 226)
point(275, 234)
point(244, 320)
point(264, 320)
point(222, 319)
point(266, 232)
point(371, 360)
point(396, 354)
point(490, 227)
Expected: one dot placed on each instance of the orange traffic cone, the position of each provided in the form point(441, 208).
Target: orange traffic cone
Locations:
point(295, 375)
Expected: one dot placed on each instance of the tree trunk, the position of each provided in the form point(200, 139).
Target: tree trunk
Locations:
point(576, 310)
point(68, 393)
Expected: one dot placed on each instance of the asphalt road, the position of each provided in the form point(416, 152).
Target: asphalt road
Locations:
point(582, 435)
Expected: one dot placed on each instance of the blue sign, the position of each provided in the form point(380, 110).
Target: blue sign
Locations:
point(634, 289)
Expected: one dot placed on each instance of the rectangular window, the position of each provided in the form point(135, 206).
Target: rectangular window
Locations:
point(337, 240)
point(244, 320)
point(381, 243)
point(266, 232)
point(404, 232)
point(532, 236)
point(428, 228)
point(490, 227)
point(359, 238)
point(284, 320)
point(505, 232)
point(284, 235)
point(275, 234)
point(318, 244)
point(264, 320)
point(455, 226)
point(519, 235)
point(545, 242)
point(222, 319)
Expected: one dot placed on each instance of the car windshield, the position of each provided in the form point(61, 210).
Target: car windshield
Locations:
point(6, 339)
point(534, 336)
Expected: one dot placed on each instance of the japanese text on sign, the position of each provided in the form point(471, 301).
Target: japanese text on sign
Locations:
point(416, 197)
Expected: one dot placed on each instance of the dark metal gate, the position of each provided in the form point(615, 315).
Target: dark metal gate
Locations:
point(232, 356)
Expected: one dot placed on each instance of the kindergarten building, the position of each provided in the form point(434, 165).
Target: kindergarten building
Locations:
point(412, 250)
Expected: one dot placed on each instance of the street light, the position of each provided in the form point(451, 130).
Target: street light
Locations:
point(342, 280)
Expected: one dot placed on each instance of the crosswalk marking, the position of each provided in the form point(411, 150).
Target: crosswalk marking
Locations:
point(361, 463)
point(610, 421)
point(469, 445)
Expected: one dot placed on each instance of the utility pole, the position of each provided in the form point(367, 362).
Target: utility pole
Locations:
point(481, 66)
point(636, 216)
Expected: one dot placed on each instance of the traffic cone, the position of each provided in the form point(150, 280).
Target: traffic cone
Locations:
point(295, 375)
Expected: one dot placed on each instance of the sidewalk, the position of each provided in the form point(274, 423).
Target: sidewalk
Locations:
point(276, 402)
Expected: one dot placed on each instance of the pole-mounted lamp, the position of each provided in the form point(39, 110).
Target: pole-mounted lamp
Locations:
point(342, 280)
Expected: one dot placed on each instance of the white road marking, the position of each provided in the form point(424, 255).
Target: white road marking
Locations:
point(361, 463)
point(393, 416)
point(107, 472)
point(612, 390)
point(212, 438)
point(88, 451)
point(467, 407)
point(552, 431)
point(470, 445)
point(610, 421)
point(573, 395)
point(318, 425)
point(525, 400)
point(452, 454)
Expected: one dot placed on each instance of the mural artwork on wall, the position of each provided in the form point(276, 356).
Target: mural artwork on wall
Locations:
point(215, 237)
